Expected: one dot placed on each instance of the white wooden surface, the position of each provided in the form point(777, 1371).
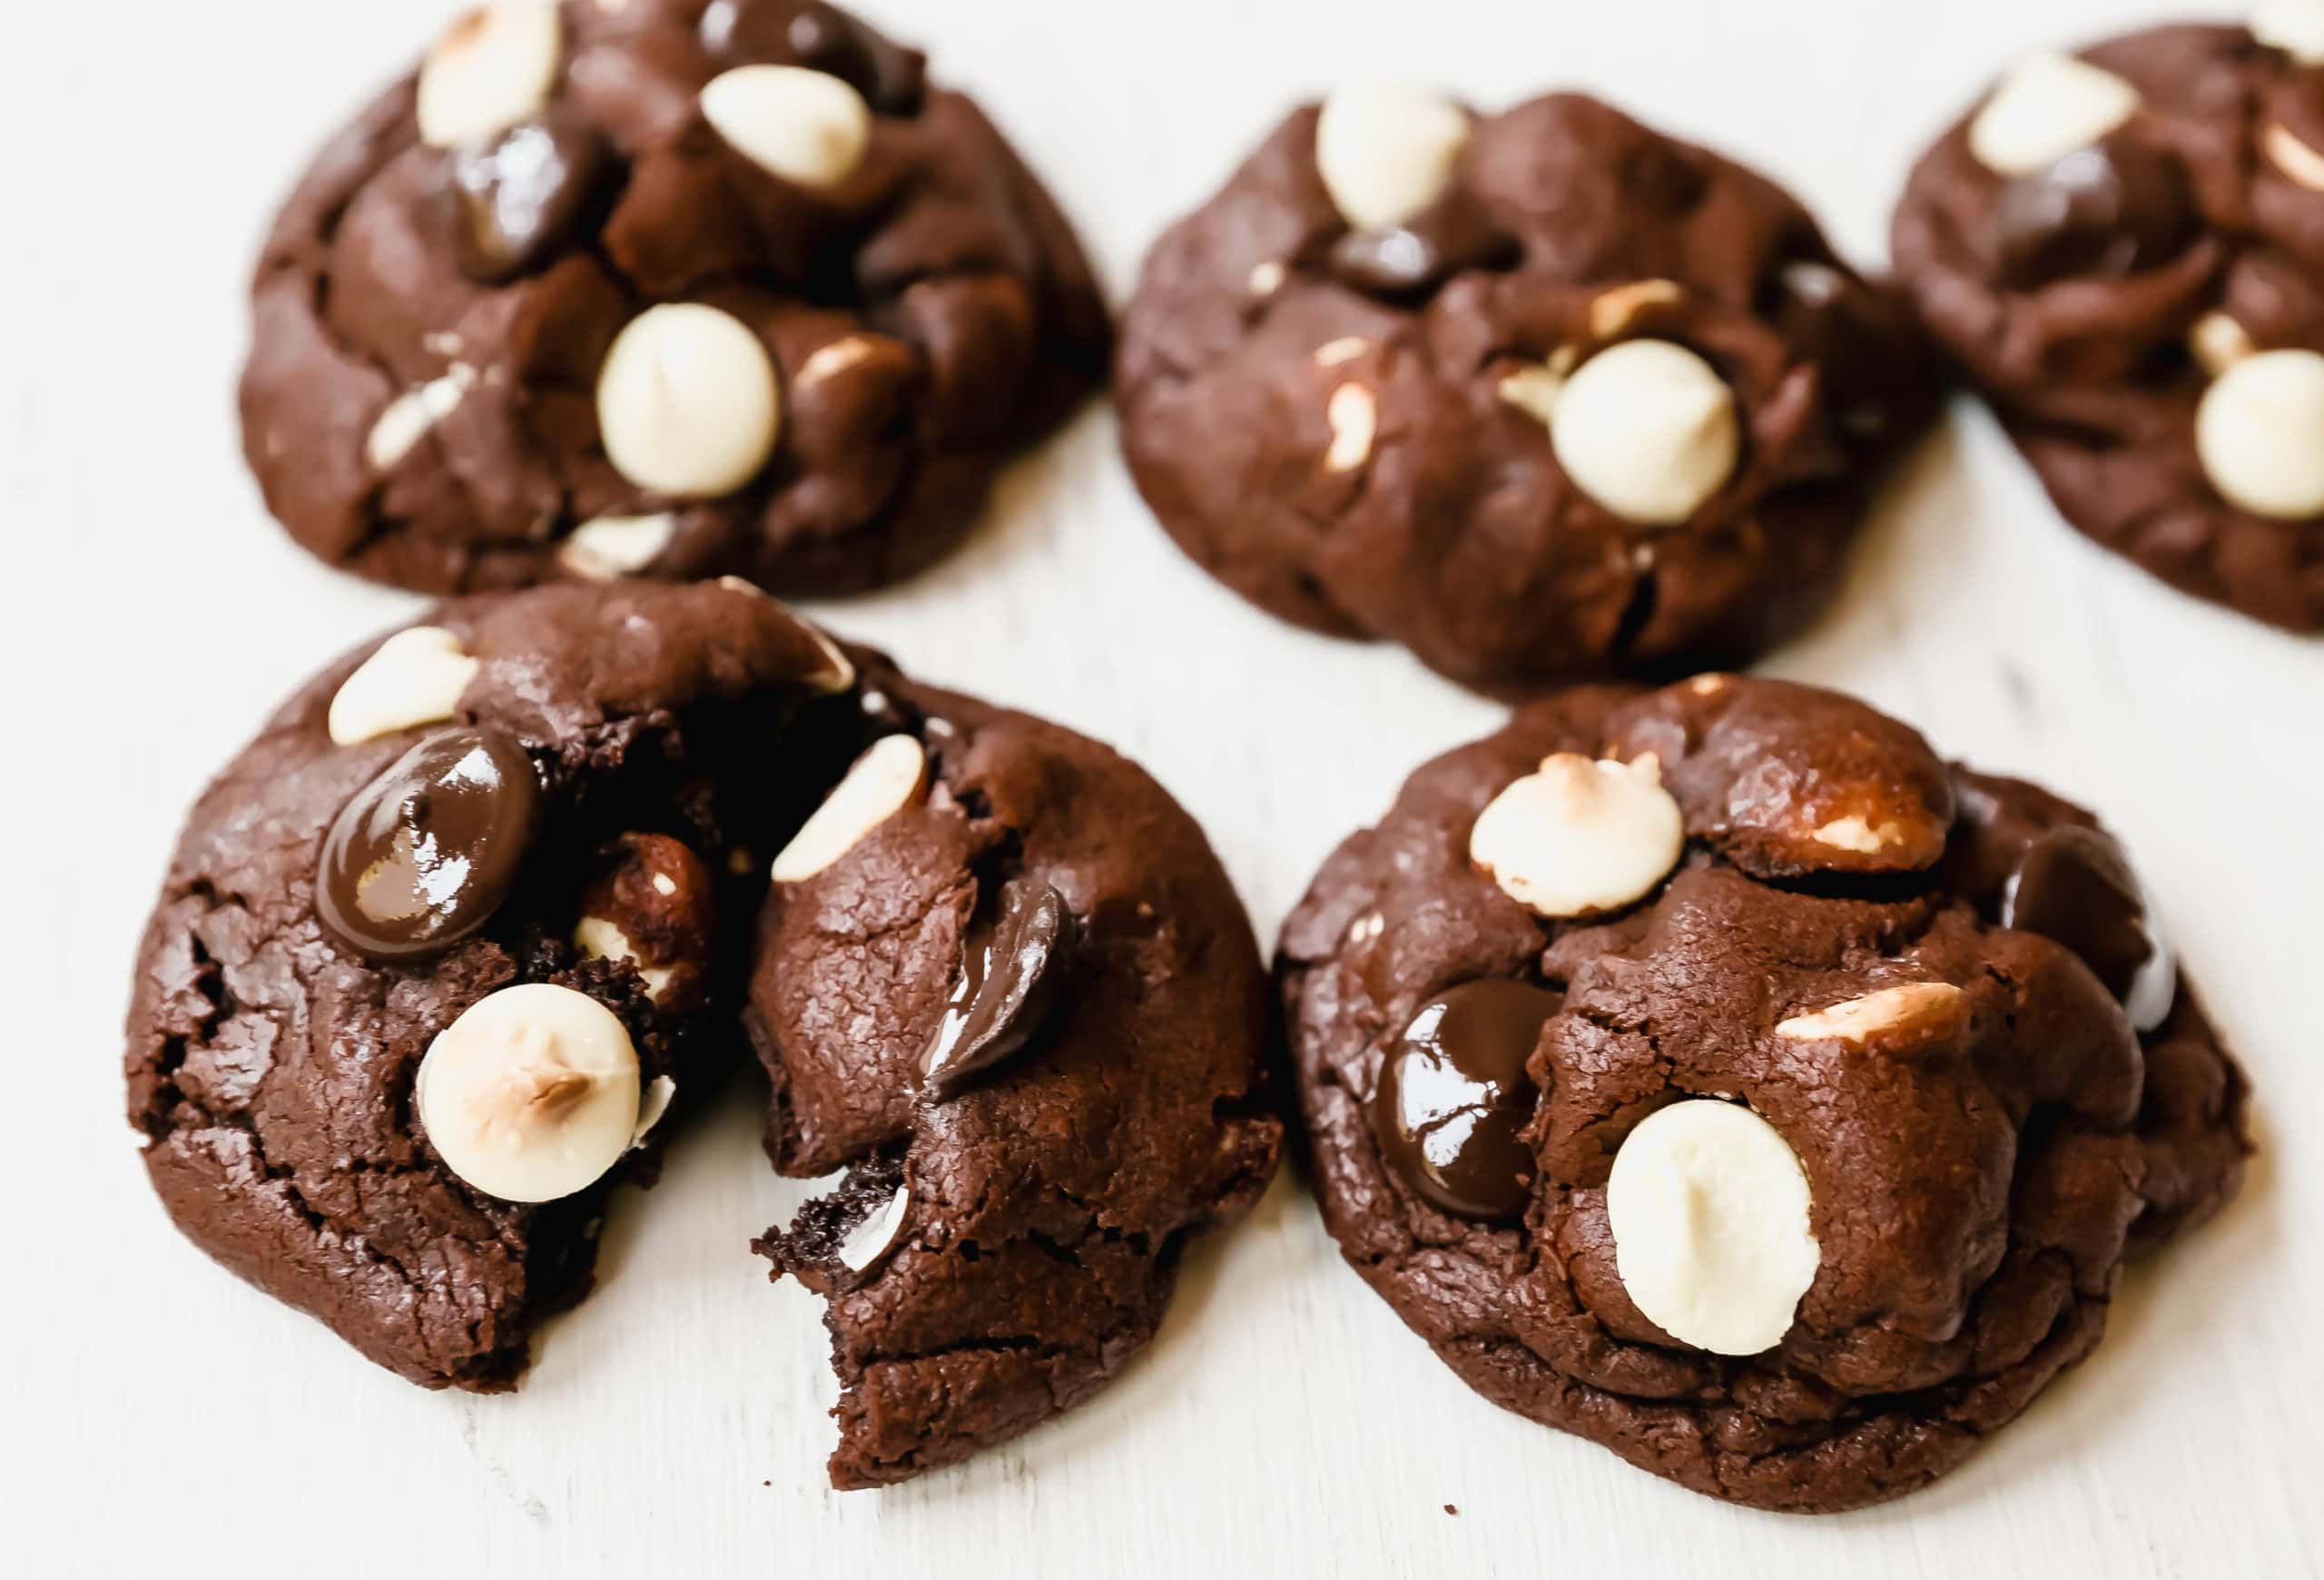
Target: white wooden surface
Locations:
point(1286, 1424)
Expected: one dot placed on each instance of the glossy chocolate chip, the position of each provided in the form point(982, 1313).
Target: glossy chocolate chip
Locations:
point(1007, 984)
point(424, 855)
point(823, 38)
point(1851, 333)
point(519, 197)
point(2076, 886)
point(1405, 260)
point(2101, 211)
point(1453, 1098)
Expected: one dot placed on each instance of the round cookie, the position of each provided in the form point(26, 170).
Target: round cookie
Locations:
point(1003, 982)
point(1717, 1074)
point(2125, 249)
point(673, 288)
point(541, 819)
point(1542, 395)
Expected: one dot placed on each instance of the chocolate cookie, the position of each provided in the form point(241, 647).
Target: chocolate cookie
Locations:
point(1002, 983)
point(1542, 395)
point(445, 939)
point(676, 288)
point(2125, 251)
point(1715, 1074)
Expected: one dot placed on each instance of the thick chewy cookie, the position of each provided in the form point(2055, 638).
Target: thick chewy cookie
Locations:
point(549, 788)
point(1002, 980)
point(673, 288)
point(1541, 395)
point(1715, 1074)
point(2125, 251)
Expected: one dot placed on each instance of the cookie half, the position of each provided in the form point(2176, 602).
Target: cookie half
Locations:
point(2125, 249)
point(675, 289)
point(1715, 1074)
point(1003, 982)
point(1543, 395)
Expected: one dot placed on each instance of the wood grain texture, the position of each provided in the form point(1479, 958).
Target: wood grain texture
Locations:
point(1286, 1424)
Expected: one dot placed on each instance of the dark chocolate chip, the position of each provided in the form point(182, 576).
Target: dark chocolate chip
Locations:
point(1850, 331)
point(2075, 886)
point(1452, 235)
point(519, 197)
point(1454, 1097)
point(824, 38)
point(424, 855)
point(2101, 211)
point(1006, 986)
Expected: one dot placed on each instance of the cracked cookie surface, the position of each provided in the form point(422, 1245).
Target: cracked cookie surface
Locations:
point(1984, 1130)
point(1024, 1228)
point(425, 416)
point(1352, 425)
point(2103, 299)
point(271, 1066)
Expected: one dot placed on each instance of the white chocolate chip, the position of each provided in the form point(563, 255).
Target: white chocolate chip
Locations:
point(2294, 26)
point(1909, 1005)
point(1579, 834)
point(1386, 151)
point(686, 402)
point(2218, 342)
point(1710, 1210)
point(652, 1107)
point(807, 127)
point(1612, 311)
point(2300, 164)
point(830, 362)
point(415, 677)
point(868, 1242)
point(489, 69)
point(602, 940)
point(1648, 430)
point(532, 1094)
point(1856, 833)
point(890, 776)
point(616, 546)
point(409, 416)
point(2259, 432)
point(1533, 390)
point(1267, 279)
point(2044, 109)
point(1353, 413)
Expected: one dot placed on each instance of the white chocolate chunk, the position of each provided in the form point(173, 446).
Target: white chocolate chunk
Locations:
point(688, 403)
point(2047, 107)
point(807, 127)
point(2300, 164)
point(652, 1107)
point(2259, 434)
point(409, 416)
point(1579, 834)
point(890, 776)
point(1354, 414)
point(2218, 342)
point(1533, 389)
point(490, 68)
point(1912, 1005)
point(1386, 151)
point(1710, 1210)
point(1647, 428)
point(1856, 833)
point(532, 1094)
point(602, 940)
point(2294, 26)
point(616, 546)
point(415, 677)
point(1612, 311)
point(868, 1242)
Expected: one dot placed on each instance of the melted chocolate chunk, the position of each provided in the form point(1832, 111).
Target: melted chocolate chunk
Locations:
point(1454, 1097)
point(1008, 982)
point(517, 198)
point(1405, 260)
point(824, 38)
point(2108, 211)
point(425, 853)
point(2076, 886)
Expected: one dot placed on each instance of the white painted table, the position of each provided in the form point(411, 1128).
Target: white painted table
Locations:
point(1286, 1422)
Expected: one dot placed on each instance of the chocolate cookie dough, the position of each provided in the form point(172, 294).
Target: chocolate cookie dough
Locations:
point(1542, 395)
point(2125, 249)
point(1715, 1074)
point(673, 288)
point(438, 946)
point(1003, 983)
